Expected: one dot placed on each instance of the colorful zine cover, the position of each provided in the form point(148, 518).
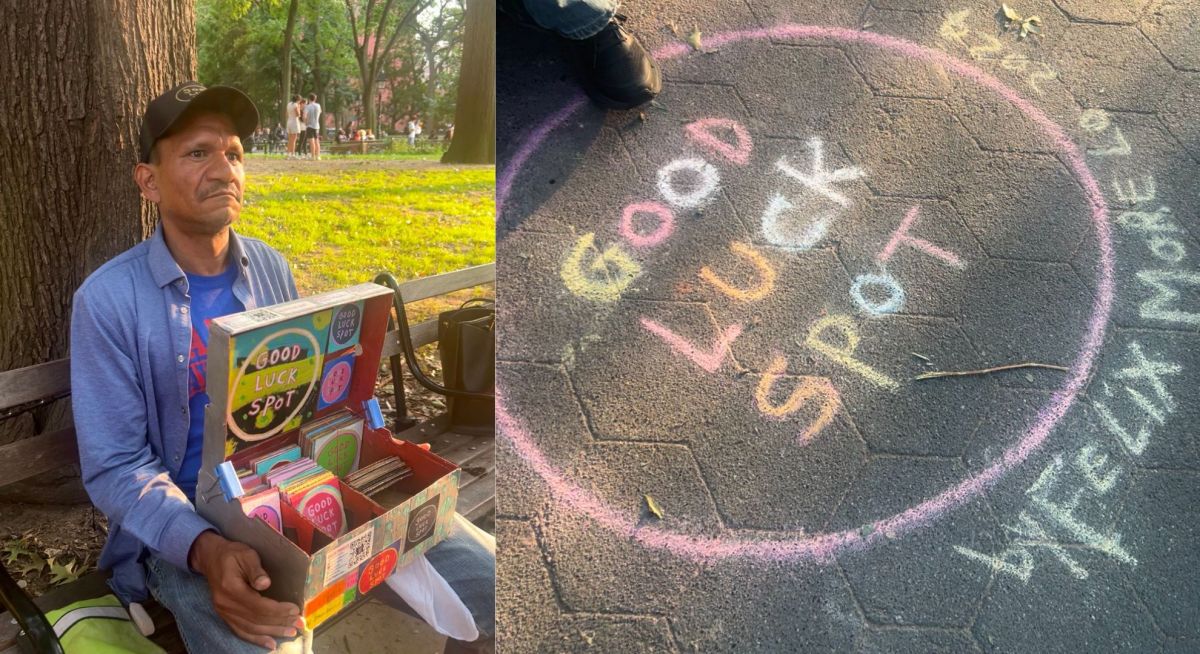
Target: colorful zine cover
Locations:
point(279, 457)
point(265, 506)
point(338, 450)
point(322, 505)
point(275, 377)
point(345, 327)
point(335, 381)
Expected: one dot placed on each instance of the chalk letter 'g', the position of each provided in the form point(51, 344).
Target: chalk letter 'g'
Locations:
point(605, 277)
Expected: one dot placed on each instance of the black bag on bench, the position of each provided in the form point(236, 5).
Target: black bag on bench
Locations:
point(467, 345)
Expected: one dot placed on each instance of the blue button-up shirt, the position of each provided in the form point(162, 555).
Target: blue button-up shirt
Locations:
point(130, 340)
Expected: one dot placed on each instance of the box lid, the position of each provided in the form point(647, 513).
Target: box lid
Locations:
point(272, 368)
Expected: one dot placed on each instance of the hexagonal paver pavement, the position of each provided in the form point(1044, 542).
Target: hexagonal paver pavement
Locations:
point(867, 335)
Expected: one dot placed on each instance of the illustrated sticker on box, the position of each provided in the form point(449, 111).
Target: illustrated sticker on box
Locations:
point(330, 501)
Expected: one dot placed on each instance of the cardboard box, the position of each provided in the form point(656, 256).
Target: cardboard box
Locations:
point(275, 368)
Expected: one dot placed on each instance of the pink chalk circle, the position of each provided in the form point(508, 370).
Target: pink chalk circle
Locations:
point(666, 224)
point(823, 547)
point(700, 131)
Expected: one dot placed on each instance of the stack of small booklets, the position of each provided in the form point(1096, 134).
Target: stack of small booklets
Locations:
point(379, 475)
point(277, 458)
point(308, 487)
point(334, 442)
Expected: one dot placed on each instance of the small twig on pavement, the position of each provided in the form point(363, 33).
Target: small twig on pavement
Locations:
point(964, 373)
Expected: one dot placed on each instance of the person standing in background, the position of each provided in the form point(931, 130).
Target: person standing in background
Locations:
point(293, 125)
point(312, 125)
point(414, 130)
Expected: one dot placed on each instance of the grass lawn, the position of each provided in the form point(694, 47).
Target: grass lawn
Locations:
point(341, 220)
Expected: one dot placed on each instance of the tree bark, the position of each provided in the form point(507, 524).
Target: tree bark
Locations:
point(75, 76)
point(475, 109)
point(285, 62)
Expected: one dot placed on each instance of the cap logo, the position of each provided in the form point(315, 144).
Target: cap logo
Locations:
point(188, 92)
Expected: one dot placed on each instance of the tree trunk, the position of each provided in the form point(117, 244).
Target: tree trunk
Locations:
point(76, 76)
point(368, 101)
point(285, 62)
point(431, 68)
point(475, 109)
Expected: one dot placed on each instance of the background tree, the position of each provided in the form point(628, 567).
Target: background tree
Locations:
point(75, 76)
point(322, 52)
point(439, 31)
point(475, 111)
point(374, 29)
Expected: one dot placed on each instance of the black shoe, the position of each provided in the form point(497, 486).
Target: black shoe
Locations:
point(617, 71)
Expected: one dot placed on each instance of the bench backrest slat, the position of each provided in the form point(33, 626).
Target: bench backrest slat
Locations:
point(25, 385)
point(427, 287)
point(33, 456)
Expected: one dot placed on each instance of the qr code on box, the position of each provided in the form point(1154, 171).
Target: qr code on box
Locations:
point(349, 555)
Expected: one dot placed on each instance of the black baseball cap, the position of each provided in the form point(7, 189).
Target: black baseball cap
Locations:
point(165, 111)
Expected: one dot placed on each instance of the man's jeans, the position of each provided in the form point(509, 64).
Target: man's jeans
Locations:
point(571, 19)
point(466, 559)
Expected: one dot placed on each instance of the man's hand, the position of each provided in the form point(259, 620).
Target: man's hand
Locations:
point(235, 577)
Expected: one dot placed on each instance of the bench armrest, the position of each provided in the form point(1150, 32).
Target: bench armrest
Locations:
point(406, 346)
point(31, 619)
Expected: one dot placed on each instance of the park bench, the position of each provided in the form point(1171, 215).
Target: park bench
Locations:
point(28, 388)
point(356, 147)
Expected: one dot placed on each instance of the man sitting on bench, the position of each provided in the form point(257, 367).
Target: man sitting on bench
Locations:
point(138, 352)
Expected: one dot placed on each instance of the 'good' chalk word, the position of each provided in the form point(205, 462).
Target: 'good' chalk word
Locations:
point(608, 274)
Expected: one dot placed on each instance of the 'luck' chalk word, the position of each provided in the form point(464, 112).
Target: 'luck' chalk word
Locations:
point(709, 361)
point(766, 276)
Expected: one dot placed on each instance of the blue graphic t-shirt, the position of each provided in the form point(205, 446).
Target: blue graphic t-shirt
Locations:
point(212, 297)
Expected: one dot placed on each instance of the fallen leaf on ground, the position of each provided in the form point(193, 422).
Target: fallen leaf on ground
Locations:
point(693, 40)
point(654, 507)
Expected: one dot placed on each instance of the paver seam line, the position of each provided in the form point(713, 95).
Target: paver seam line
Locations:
point(837, 254)
point(620, 615)
point(975, 640)
point(906, 196)
point(902, 9)
point(891, 454)
point(547, 564)
point(538, 232)
point(737, 215)
point(600, 440)
point(859, 473)
point(919, 628)
point(708, 488)
point(991, 149)
point(676, 643)
point(555, 365)
point(1131, 588)
point(863, 74)
point(625, 146)
point(994, 516)
point(858, 606)
point(1155, 330)
point(1089, 21)
point(1123, 500)
point(1172, 470)
point(1118, 110)
point(1178, 69)
point(1122, 324)
point(1183, 149)
point(589, 423)
point(628, 153)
